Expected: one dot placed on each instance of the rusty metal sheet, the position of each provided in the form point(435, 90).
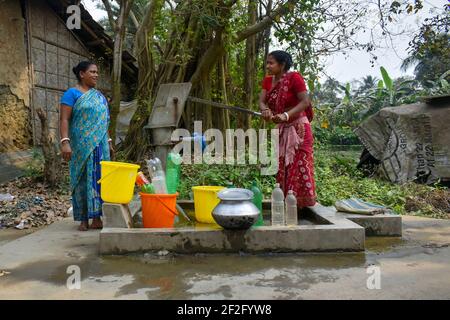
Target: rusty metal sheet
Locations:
point(166, 112)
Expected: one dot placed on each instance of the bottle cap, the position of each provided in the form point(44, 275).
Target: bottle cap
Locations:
point(141, 179)
point(277, 185)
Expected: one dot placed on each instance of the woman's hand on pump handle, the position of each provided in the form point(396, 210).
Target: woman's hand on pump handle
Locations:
point(281, 117)
point(267, 114)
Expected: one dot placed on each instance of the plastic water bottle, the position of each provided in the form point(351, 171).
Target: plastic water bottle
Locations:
point(278, 218)
point(148, 188)
point(173, 171)
point(291, 209)
point(157, 175)
point(257, 201)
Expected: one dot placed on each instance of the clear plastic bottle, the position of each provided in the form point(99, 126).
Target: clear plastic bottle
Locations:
point(291, 209)
point(157, 175)
point(278, 218)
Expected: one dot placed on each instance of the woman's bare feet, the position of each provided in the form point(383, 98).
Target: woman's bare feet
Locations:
point(84, 226)
point(96, 223)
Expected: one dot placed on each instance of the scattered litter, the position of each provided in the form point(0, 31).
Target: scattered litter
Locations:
point(6, 197)
point(163, 253)
point(22, 225)
point(358, 206)
point(38, 200)
point(4, 273)
point(34, 203)
point(69, 212)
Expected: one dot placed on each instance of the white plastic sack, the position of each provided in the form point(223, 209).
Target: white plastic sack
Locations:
point(412, 142)
point(127, 110)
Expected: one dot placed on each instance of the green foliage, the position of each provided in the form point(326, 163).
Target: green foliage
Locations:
point(337, 178)
point(388, 84)
point(340, 109)
point(220, 175)
point(335, 136)
point(429, 51)
point(35, 167)
point(297, 30)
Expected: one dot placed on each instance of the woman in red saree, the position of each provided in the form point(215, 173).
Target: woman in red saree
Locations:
point(284, 100)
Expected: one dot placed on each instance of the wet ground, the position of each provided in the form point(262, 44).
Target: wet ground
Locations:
point(413, 267)
point(10, 234)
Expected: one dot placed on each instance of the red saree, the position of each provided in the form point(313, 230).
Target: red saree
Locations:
point(296, 161)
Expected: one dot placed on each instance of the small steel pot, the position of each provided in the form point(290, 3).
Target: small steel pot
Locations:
point(235, 209)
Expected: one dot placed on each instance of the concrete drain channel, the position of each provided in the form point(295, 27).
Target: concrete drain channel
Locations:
point(320, 229)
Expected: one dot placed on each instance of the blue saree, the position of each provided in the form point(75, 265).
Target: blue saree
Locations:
point(89, 141)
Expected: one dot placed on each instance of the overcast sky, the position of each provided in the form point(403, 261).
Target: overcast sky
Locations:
point(356, 64)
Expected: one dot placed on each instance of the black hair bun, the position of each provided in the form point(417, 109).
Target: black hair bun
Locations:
point(82, 66)
point(282, 57)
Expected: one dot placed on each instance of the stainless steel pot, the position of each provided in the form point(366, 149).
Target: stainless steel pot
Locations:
point(235, 209)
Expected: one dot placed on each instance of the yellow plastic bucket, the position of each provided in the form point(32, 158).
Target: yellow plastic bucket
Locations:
point(117, 181)
point(205, 200)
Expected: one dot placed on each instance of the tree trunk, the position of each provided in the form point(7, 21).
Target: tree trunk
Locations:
point(223, 89)
point(119, 36)
point(267, 37)
point(52, 159)
point(204, 46)
point(250, 60)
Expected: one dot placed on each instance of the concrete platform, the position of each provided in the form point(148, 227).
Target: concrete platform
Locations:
point(327, 233)
point(381, 225)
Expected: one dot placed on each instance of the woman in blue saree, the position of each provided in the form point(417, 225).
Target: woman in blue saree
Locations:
point(84, 120)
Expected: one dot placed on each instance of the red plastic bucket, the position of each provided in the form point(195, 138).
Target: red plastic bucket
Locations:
point(158, 210)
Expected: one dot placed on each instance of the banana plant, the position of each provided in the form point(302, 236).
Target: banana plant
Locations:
point(439, 86)
point(347, 98)
point(398, 92)
point(388, 84)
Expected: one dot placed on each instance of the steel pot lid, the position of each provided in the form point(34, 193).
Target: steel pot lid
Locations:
point(236, 194)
